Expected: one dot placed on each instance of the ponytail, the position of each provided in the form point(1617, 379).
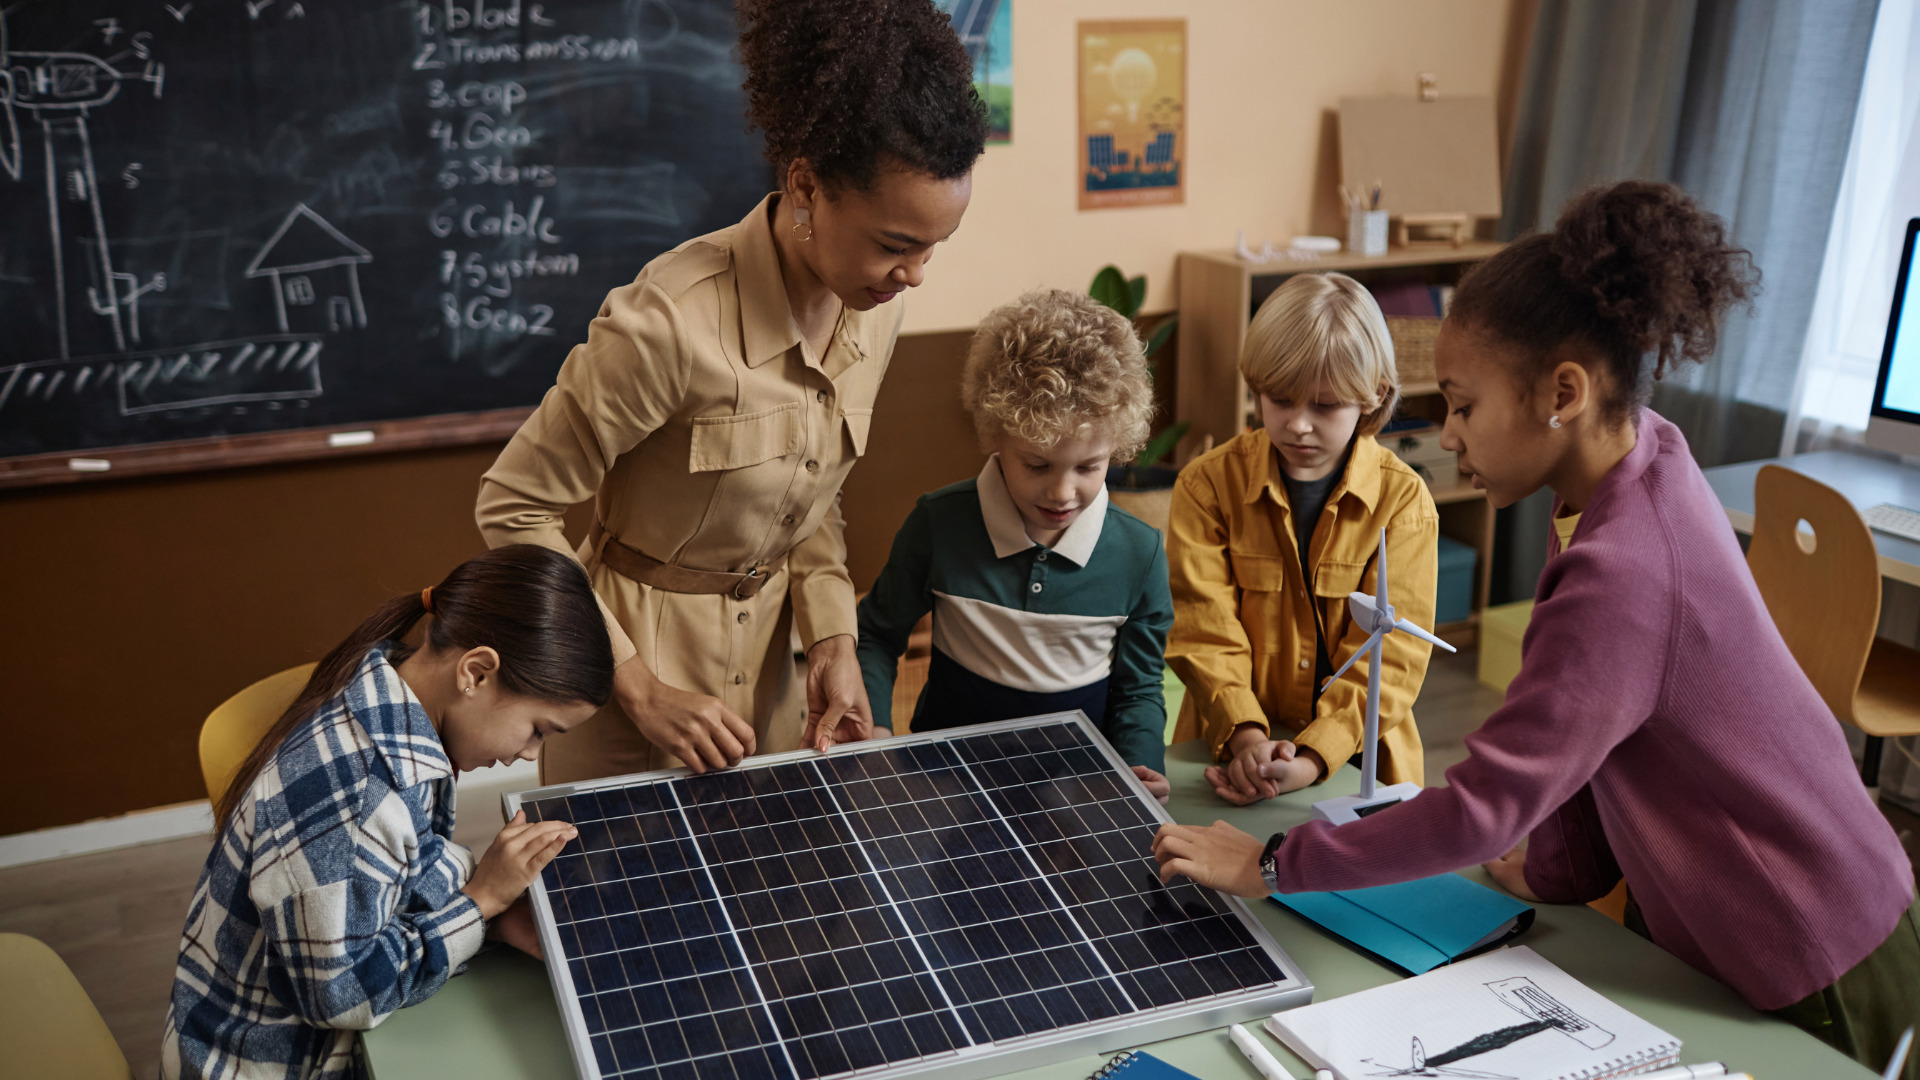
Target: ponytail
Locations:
point(532, 605)
point(1636, 271)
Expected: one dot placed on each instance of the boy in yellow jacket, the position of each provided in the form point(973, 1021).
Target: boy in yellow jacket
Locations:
point(1270, 532)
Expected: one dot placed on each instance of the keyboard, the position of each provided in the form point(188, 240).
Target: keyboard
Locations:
point(1897, 520)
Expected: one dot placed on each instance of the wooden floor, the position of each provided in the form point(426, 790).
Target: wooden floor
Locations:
point(115, 917)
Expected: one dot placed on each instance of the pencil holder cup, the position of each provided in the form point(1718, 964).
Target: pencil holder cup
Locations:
point(1367, 232)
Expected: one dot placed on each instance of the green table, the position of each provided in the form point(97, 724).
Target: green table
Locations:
point(499, 1020)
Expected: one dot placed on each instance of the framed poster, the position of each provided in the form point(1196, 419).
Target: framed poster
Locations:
point(986, 29)
point(1133, 120)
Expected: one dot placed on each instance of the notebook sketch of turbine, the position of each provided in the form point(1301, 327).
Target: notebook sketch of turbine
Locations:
point(1376, 615)
point(1546, 1013)
point(58, 89)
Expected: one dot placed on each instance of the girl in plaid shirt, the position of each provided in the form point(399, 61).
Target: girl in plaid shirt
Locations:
point(335, 893)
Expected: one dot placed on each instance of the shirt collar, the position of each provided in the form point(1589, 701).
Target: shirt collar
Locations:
point(767, 328)
point(395, 721)
point(1009, 531)
point(1362, 479)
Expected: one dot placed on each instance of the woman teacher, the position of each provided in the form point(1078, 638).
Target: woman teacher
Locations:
point(721, 397)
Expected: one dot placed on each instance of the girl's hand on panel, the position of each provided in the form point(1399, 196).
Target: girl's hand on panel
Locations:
point(515, 927)
point(513, 860)
point(695, 728)
point(1509, 871)
point(837, 706)
point(1218, 856)
point(1157, 785)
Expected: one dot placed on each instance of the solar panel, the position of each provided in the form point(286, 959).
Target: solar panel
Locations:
point(916, 905)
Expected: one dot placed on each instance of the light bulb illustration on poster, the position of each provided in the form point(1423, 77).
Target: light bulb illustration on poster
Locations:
point(1133, 90)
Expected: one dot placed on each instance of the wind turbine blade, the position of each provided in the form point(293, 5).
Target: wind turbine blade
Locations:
point(1383, 603)
point(1403, 624)
point(1372, 643)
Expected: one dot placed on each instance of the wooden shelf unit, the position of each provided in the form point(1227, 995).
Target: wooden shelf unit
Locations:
point(1218, 294)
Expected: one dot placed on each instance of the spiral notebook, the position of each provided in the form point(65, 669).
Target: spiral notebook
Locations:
point(1140, 1065)
point(1507, 1015)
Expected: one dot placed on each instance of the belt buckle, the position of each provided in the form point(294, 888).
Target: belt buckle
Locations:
point(749, 584)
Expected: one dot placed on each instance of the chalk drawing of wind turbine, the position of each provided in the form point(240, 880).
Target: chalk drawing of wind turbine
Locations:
point(57, 89)
point(1376, 615)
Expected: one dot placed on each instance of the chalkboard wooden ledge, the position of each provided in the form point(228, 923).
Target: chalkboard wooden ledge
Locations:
point(192, 455)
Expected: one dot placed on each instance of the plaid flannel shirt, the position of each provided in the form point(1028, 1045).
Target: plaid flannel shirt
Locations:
point(332, 899)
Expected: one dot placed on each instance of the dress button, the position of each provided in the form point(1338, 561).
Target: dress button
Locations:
point(813, 466)
point(1036, 586)
point(788, 520)
point(742, 617)
point(738, 679)
point(1303, 663)
point(1042, 556)
point(821, 397)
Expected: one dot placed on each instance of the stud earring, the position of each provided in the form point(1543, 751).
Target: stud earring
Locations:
point(802, 219)
point(466, 689)
point(1554, 423)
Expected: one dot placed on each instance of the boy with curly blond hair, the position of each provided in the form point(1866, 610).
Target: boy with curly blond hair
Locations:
point(1045, 597)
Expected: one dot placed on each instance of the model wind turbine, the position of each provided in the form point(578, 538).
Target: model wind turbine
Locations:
point(1376, 614)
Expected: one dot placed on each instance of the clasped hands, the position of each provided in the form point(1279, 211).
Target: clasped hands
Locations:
point(1262, 767)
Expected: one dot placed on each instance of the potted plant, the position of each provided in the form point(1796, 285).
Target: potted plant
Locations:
point(1143, 485)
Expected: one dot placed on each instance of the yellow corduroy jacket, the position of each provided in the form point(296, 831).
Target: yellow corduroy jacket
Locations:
point(1243, 614)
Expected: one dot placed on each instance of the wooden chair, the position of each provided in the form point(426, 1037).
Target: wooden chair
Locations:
point(1823, 591)
point(48, 1024)
point(232, 730)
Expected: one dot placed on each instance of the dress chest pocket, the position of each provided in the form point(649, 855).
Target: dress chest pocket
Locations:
point(736, 442)
point(859, 421)
point(1260, 573)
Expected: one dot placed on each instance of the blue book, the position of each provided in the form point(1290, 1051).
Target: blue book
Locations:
point(1415, 926)
point(1140, 1065)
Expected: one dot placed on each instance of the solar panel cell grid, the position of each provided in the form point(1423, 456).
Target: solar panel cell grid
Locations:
point(894, 906)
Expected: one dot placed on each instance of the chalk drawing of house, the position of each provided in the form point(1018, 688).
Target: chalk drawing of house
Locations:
point(314, 269)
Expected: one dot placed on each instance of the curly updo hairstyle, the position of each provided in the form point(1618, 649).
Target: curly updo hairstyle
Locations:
point(1053, 365)
point(1635, 271)
point(848, 83)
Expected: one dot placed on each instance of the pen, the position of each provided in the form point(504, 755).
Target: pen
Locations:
point(1323, 1074)
point(1264, 1063)
point(1689, 1072)
point(1899, 1056)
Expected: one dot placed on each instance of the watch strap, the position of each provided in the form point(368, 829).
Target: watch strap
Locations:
point(1269, 872)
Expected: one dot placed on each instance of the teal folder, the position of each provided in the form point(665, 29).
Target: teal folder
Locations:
point(1415, 926)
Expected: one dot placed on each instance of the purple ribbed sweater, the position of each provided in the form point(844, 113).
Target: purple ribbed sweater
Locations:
point(1659, 729)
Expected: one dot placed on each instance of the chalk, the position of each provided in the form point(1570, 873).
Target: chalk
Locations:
point(89, 464)
point(350, 438)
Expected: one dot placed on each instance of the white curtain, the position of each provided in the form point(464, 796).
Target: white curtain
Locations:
point(1879, 191)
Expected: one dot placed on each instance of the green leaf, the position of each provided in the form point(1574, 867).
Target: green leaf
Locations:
point(1161, 445)
point(1137, 290)
point(1161, 333)
point(1110, 288)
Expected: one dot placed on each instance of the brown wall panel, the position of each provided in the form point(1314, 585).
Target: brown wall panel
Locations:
point(129, 609)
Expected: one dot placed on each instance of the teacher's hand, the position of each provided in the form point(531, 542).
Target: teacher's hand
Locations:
point(1218, 856)
point(695, 728)
point(837, 706)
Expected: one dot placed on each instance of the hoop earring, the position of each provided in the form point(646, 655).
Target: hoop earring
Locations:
point(802, 219)
point(1554, 423)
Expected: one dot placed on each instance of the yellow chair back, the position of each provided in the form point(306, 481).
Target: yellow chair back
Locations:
point(235, 728)
point(47, 1022)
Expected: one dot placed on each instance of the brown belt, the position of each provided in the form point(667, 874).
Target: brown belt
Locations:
point(648, 570)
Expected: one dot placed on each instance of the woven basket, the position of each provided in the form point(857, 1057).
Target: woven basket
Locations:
point(1413, 338)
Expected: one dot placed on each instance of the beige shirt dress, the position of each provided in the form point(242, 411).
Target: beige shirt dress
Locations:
point(710, 438)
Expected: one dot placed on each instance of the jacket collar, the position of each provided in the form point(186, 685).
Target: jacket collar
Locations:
point(1009, 532)
point(395, 721)
point(1362, 479)
point(767, 327)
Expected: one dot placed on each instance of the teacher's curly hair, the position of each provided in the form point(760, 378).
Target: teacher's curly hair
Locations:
point(853, 86)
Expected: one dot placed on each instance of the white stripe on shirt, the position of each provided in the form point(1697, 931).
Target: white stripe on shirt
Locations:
point(1038, 653)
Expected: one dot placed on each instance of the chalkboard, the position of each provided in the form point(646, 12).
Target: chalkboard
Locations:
point(225, 219)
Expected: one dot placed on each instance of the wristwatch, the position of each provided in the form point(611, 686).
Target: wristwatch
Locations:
point(1268, 872)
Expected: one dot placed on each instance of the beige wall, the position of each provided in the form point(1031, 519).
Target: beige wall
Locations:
point(1263, 74)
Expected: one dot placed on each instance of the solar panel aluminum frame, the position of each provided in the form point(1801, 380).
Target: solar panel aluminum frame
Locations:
point(977, 1062)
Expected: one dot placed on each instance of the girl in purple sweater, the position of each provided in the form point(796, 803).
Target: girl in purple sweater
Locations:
point(1659, 730)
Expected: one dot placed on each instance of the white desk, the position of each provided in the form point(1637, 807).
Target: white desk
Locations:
point(1865, 481)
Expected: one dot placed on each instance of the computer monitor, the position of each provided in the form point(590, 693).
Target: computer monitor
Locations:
point(1894, 424)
